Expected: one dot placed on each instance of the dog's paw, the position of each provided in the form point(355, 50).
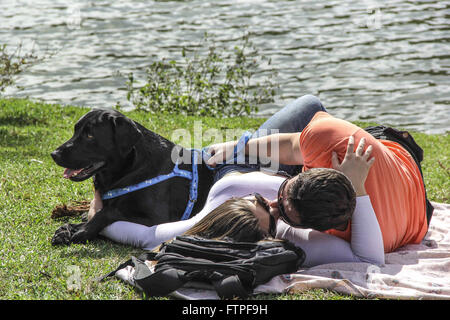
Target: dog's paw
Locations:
point(65, 233)
point(81, 236)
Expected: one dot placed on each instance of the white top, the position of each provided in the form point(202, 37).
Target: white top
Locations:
point(366, 240)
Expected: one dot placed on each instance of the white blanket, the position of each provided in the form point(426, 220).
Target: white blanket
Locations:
point(420, 271)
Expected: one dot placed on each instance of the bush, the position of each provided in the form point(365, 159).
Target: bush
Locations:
point(13, 64)
point(212, 85)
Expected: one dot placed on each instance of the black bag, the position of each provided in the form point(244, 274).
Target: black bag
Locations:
point(405, 139)
point(233, 269)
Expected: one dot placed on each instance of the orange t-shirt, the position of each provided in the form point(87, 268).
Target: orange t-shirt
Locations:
point(394, 183)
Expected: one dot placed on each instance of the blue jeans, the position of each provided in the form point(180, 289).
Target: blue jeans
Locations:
point(293, 117)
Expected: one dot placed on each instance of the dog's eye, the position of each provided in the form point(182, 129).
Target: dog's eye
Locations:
point(90, 136)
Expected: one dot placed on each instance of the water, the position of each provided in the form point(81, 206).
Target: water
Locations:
point(384, 61)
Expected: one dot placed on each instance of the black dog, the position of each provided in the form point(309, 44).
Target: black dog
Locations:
point(118, 152)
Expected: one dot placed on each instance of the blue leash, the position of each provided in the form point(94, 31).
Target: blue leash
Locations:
point(193, 176)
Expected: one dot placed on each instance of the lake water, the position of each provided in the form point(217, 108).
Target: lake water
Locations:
point(386, 61)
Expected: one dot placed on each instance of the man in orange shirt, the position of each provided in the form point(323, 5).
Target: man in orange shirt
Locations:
point(312, 138)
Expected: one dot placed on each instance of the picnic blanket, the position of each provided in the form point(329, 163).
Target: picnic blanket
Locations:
point(415, 271)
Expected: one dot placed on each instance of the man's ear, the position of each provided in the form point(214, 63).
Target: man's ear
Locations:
point(127, 134)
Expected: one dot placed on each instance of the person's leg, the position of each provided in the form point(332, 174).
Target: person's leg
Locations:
point(294, 117)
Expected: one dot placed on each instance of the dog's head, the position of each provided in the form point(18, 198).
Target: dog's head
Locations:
point(101, 138)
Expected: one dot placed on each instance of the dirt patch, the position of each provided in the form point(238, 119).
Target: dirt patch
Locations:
point(70, 210)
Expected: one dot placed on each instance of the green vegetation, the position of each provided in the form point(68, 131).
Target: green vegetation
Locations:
point(212, 84)
point(13, 63)
point(31, 185)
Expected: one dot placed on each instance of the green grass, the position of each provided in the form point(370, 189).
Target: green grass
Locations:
point(31, 185)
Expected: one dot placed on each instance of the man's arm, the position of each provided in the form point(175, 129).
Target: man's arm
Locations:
point(283, 148)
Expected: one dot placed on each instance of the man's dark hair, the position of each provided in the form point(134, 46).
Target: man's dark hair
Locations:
point(324, 198)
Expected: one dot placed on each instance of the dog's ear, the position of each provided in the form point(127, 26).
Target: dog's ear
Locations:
point(127, 134)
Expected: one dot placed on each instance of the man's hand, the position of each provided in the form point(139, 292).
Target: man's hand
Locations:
point(356, 164)
point(221, 152)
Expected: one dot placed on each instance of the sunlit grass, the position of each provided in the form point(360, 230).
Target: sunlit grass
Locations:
point(31, 185)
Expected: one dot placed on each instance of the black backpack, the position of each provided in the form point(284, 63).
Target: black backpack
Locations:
point(233, 269)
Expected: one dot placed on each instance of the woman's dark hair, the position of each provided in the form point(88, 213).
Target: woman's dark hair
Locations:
point(324, 198)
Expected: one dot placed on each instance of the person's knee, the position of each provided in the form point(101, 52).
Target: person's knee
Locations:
point(312, 102)
point(310, 97)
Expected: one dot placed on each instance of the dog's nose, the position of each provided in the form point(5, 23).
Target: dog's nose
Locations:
point(56, 155)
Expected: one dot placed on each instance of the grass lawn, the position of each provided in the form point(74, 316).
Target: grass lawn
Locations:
point(31, 185)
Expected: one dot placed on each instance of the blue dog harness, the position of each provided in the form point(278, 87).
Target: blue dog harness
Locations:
point(193, 176)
